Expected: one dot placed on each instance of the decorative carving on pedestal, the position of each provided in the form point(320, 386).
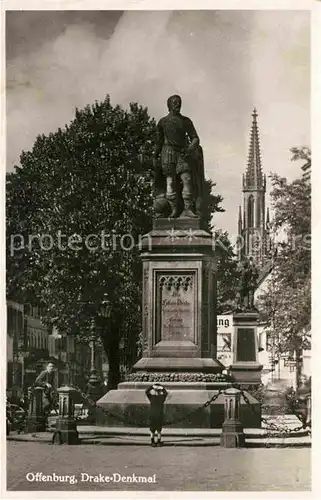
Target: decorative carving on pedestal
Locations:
point(178, 377)
point(176, 282)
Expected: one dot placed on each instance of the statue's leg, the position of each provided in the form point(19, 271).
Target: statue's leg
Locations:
point(171, 194)
point(187, 195)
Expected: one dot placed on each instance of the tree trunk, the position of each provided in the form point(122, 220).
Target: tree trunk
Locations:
point(298, 367)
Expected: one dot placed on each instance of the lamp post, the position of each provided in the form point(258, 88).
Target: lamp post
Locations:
point(95, 384)
point(94, 378)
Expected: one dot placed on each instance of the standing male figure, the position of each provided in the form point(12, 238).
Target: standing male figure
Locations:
point(248, 284)
point(157, 395)
point(176, 141)
point(254, 275)
point(46, 380)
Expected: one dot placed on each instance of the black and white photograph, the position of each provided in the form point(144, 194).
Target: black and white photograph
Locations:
point(157, 208)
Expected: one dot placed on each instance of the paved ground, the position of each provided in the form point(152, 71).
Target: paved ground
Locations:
point(255, 438)
point(198, 468)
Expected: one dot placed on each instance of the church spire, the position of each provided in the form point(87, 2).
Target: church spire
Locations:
point(252, 227)
point(254, 178)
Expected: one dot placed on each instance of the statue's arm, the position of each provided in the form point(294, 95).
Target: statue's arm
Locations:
point(159, 141)
point(192, 135)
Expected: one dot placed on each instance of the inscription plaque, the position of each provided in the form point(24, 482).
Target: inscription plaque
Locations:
point(245, 347)
point(177, 312)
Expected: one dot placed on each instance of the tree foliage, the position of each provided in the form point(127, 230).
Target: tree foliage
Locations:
point(70, 204)
point(303, 153)
point(228, 273)
point(84, 180)
point(286, 303)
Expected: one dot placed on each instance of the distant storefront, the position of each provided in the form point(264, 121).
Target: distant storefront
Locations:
point(225, 339)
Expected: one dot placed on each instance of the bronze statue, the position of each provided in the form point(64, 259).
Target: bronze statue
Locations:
point(248, 285)
point(179, 166)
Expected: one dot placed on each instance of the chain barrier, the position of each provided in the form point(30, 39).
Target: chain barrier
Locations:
point(272, 426)
point(94, 405)
point(170, 422)
point(205, 405)
point(269, 426)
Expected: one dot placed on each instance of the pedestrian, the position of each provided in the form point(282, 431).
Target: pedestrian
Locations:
point(46, 380)
point(157, 395)
point(303, 394)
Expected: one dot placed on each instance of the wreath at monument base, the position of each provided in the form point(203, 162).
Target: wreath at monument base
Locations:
point(178, 377)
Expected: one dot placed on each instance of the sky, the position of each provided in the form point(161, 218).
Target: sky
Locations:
point(222, 63)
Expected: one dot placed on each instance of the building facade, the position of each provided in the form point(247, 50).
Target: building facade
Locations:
point(31, 345)
point(16, 341)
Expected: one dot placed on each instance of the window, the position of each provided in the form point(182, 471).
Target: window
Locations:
point(250, 212)
point(268, 342)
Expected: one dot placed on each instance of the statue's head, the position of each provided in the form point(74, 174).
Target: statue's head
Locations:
point(246, 263)
point(174, 103)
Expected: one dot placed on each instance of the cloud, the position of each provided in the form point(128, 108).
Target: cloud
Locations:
point(221, 62)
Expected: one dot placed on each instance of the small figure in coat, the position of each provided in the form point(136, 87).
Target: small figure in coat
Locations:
point(157, 395)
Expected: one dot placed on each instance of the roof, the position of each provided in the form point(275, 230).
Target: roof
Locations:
point(264, 272)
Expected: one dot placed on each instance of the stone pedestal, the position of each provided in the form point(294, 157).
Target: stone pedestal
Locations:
point(232, 430)
point(179, 331)
point(36, 421)
point(179, 299)
point(66, 427)
point(246, 368)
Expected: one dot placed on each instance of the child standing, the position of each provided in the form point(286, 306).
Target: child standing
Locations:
point(157, 395)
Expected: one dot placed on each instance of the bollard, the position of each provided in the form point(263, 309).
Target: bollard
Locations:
point(36, 421)
point(66, 427)
point(95, 390)
point(232, 430)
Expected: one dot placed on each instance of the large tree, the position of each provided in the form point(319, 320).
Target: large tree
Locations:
point(85, 188)
point(286, 303)
point(77, 206)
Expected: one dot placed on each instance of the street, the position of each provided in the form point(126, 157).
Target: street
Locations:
point(168, 468)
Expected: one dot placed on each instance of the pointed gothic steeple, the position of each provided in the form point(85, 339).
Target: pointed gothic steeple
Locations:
point(254, 178)
point(252, 224)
